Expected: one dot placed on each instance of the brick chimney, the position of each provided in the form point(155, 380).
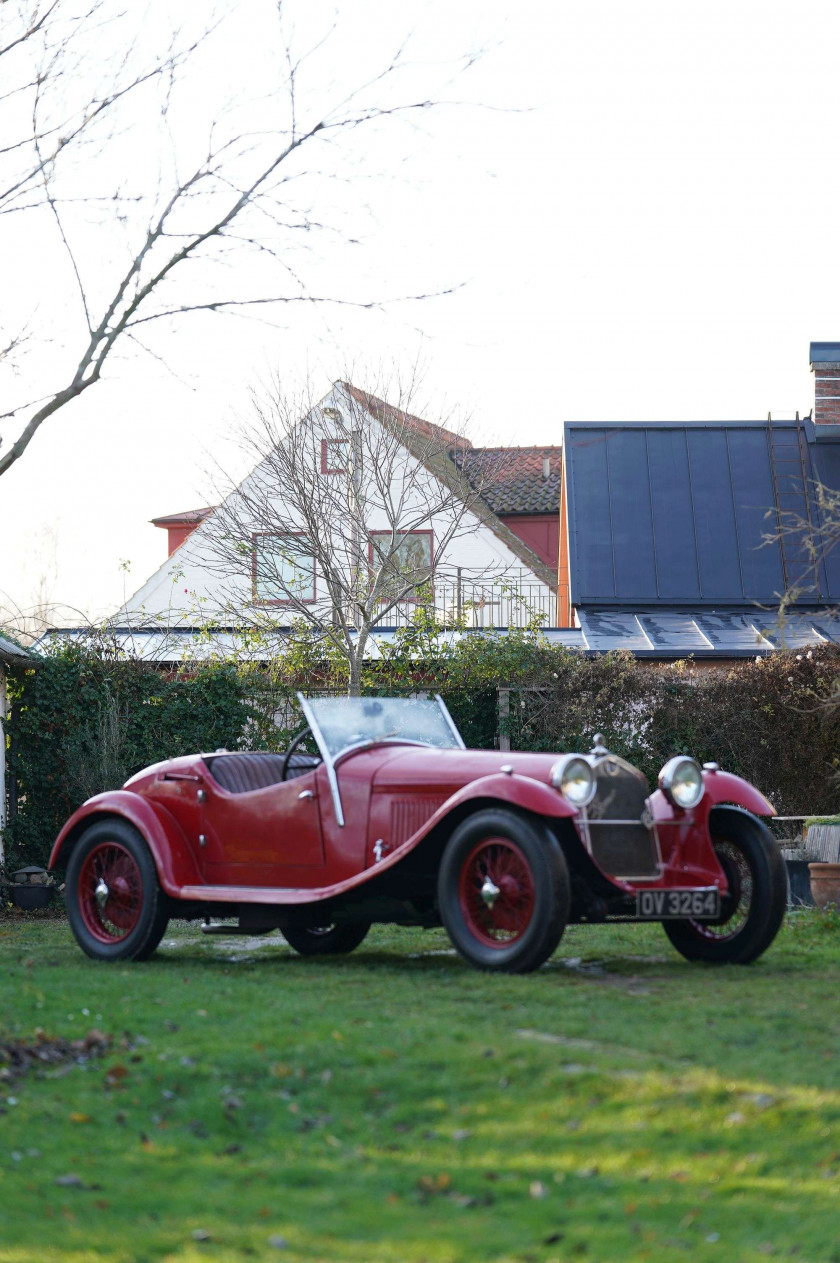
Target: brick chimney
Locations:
point(825, 363)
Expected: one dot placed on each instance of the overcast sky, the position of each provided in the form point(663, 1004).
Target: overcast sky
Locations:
point(643, 223)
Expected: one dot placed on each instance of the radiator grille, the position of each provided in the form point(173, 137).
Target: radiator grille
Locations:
point(409, 814)
point(620, 842)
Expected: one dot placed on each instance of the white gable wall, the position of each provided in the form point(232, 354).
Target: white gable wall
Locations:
point(188, 589)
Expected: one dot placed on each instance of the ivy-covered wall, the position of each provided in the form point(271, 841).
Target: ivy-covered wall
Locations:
point(83, 720)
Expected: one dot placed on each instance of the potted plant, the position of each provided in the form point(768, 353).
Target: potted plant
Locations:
point(823, 841)
point(31, 887)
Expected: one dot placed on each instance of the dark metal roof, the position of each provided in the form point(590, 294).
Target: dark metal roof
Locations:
point(511, 480)
point(825, 352)
point(12, 652)
point(677, 513)
point(705, 633)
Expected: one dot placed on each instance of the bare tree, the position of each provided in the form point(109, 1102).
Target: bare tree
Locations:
point(355, 508)
point(813, 540)
point(159, 215)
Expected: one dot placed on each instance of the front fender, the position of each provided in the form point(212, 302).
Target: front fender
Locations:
point(724, 787)
point(519, 791)
point(161, 832)
point(720, 787)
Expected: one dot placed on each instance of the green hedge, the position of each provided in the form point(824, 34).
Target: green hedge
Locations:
point(83, 720)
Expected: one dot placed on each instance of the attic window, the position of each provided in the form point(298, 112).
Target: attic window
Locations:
point(334, 456)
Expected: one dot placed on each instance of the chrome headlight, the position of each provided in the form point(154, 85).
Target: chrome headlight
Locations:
point(575, 779)
point(681, 781)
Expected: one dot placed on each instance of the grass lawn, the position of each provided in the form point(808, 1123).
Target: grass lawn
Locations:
point(394, 1106)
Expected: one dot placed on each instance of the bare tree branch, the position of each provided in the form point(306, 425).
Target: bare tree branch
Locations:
point(234, 203)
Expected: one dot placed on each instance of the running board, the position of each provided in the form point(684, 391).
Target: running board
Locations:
point(238, 929)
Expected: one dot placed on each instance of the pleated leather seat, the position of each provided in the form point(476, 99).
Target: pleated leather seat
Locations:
point(242, 773)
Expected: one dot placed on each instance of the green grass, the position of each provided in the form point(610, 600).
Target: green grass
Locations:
point(395, 1106)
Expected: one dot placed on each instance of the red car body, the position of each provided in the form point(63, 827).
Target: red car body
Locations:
point(272, 847)
point(363, 838)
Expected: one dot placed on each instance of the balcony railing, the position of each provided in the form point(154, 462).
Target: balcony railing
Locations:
point(468, 598)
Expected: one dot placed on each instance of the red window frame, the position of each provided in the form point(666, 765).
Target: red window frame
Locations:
point(325, 456)
point(267, 600)
point(413, 597)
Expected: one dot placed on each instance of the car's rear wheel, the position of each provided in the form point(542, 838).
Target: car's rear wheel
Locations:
point(753, 909)
point(326, 940)
point(115, 905)
point(503, 891)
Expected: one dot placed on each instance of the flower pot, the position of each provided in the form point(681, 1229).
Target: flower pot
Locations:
point(30, 897)
point(825, 884)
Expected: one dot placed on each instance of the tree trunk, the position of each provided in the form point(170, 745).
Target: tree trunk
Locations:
point(354, 682)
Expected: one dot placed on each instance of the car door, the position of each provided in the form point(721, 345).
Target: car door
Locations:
point(263, 837)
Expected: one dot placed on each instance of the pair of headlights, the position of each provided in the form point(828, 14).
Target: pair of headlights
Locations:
point(680, 780)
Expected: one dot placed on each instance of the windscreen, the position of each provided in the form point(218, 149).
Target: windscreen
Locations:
point(352, 721)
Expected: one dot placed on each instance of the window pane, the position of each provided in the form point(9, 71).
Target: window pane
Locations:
point(412, 557)
point(285, 569)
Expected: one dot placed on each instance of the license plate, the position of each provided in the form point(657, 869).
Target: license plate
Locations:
point(668, 905)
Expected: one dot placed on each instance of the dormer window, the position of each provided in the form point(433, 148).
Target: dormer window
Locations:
point(334, 456)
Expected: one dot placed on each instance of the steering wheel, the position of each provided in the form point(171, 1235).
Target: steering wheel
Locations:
point(296, 741)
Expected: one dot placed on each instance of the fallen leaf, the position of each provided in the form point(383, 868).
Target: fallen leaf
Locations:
point(76, 1117)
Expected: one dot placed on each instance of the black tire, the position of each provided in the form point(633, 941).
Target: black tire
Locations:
point(131, 921)
point(754, 911)
point(525, 866)
point(329, 940)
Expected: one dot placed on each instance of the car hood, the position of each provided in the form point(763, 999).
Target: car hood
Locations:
point(420, 769)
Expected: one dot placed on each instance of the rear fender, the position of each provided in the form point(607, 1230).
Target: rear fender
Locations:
point(162, 834)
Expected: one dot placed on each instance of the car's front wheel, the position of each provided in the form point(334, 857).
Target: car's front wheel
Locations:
point(754, 907)
point(326, 940)
point(503, 891)
point(115, 905)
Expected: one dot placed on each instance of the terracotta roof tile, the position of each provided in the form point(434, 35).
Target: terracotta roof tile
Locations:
point(511, 478)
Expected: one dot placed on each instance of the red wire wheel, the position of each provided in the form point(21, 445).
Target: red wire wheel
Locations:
point(496, 892)
point(110, 892)
point(503, 890)
point(115, 905)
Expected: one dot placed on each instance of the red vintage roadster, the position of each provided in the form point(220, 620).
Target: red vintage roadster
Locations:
point(387, 817)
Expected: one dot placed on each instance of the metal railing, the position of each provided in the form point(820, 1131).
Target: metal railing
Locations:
point(469, 598)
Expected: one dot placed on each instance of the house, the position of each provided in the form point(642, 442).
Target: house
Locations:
point(667, 539)
point(490, 548)
point(684, 538)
